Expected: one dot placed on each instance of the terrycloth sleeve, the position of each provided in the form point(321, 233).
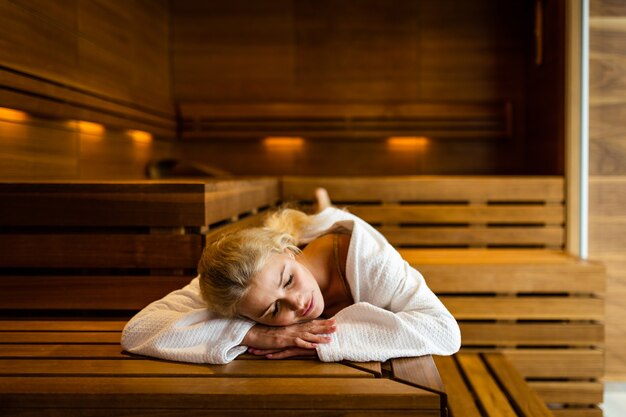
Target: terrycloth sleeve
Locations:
point(179, 327)
point(395, 313)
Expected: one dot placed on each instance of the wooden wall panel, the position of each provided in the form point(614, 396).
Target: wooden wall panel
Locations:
point(41, 149)
point(324, 53)
point(607, 164)
point(70, 53)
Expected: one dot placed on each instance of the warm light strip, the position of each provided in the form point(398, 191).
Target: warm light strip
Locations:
point(12, 115)
point(407, 142)
point(90, 128)
point(140, 136)
point(283, 142)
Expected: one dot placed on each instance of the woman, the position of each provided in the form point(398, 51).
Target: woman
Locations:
point(347, 294)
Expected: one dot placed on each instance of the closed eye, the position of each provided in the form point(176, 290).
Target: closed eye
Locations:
point(289, 281)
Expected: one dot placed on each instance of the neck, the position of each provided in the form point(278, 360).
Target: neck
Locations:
point(318, 258)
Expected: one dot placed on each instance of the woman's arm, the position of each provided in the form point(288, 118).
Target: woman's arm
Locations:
point(179, 327)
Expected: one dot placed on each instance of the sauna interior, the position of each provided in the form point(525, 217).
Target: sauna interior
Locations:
point(287, 94)
point(356, 87)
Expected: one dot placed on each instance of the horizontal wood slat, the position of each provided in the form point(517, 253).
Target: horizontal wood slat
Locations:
point(107, 367)
point(532, 334)
point(505, 236)
point(447, 120)
point(37, 349)
point(211, 393)
point(593, 411)
point(517, 308)
point(133, 203)
point(87, 292)
point(427, 214)
point(87, 251)
point(569, 392)
point(428, 189)
point(557, 363)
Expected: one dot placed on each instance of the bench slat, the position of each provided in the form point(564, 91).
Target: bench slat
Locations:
point(486, 257)
point(557, 363)
point(213, 393)
point(123, 292)
point(502, 334)
point(578, 412)
point(570, 392)
point(433, 214)
point(129, 367)
point(420, 371)
point(512, 308)
point(488, 394)
point(432, 188)
point(108, 351)
point(572, 278)
point(61, 324)
point(522, 395)
point(460, 400)
point(60, 337)
point(86, 251)
point(550, 235)
point(135, 203)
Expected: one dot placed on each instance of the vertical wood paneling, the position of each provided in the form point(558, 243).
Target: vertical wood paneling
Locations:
point(608, 168)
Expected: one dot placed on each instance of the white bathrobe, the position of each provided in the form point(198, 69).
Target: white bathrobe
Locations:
point(394, 313)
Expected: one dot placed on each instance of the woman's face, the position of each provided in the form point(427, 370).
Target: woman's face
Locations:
point(284, 292)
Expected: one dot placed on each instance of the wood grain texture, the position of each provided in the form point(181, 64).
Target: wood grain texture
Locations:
point(572, 392)
point(522, 395)
point(86, 251)
point(532, 334)
point(460, 399)
point(221, 394)
point(428, 189)
point(87, 61)
point(493, 400)
point(527, 308)
point(607, 181)
point(420, 371)
point(557, 363)
point(235, 369)
point(118, 292)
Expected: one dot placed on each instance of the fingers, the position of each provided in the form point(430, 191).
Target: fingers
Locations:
point(310, 341)
point(291, 352)
point(320, 326)
point(263, 352)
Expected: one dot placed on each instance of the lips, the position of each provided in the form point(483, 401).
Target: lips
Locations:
point(309, 306)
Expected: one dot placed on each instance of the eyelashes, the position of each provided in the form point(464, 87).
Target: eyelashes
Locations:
point(276, 309)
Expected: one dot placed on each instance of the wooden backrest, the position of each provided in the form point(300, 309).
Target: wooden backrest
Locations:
point(112, 245)
point(449, 211)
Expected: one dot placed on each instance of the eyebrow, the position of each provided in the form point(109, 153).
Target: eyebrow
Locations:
point(280, 284)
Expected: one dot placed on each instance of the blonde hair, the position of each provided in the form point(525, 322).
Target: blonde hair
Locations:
point(228, 264)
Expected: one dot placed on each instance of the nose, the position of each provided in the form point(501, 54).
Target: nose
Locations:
point(298, 303)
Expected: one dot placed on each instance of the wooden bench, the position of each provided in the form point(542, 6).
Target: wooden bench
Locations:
point(492, 249)
point(80, 258)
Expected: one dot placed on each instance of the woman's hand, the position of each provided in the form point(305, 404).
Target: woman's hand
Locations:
point(282, 354)
point(279, 339)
